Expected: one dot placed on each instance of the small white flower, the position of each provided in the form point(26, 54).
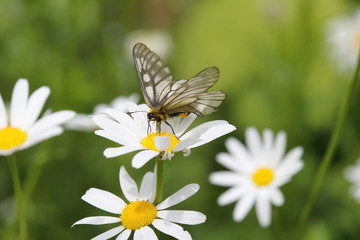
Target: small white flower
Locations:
point(83, 122)
point(136, 133)
point(19, 127)
point(140, 214)
point(343, 34)
point(352, 174)
point(256, 173)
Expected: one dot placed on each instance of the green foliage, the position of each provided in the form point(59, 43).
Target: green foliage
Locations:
point(275, 69)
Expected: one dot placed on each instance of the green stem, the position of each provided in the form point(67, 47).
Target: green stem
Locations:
point(159, 180)
point(325, 162)
point(19, 197)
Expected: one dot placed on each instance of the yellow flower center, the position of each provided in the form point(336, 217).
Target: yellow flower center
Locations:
point(263, 176)
point(11, 137)
point(149, 141)
point(138, 214)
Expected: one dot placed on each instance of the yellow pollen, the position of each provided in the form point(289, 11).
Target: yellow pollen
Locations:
point(263, 176)
point(149, 141)
point(11, 137)
point(138, 214)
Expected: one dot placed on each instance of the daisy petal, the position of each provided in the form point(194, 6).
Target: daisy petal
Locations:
point(124, 235)
point(183, 217)
point(243, 206)
point(35, 104)
point(279, 147)
point(162, 142)
point(109, 234)
point(231, 195)
point(263, 209)
point(225, 178)
point(181, 195)
point(117, 151)
point(141, 158)
point(238, 151)
point(227, 161)
point(46, 134)
point(97, 220)
point(104, 200)
point(277, 198)
point(128, 185)
point(19, 102)
point(171, 229)
point(146, 186)
point(253, 142)
point(145, 233)
point(3, 114)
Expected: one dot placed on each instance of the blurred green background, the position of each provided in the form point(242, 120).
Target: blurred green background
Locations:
point(275, 69)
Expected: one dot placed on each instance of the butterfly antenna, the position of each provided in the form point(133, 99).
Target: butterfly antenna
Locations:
point(171, 129)
point(136, 112)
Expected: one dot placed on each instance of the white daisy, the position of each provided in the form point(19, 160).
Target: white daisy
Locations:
point(83, 122)
point(256, 173)
point(19, 127)
point(343, 34)
point(136, 133)
point(352, 174)
point(140, 215)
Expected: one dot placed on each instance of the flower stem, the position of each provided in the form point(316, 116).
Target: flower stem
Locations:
point(325, 162)
point(19, 197)
point(159, 180)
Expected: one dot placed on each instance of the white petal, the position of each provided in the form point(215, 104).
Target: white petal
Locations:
point(253, 141)
point(268, 140)
point(35, 104)
point(117, 151)
point(122, 138)
point(263, 209)
point(227, 161)
point(184, 144)
point(98, 220)
point(146, 187)
point(42, 136)
point(104, 200)
point(171, 229)
point(214, 132)
point(279, 147)
point(277, 198)
point(183, 217)
point(225, 178)
point(239, 152)
point(51, 120)
point(3, 114)
point(291, 165)
point(181, 195)
point(124, 235)
point(19, 102)
point(141, 158)
point(128, 185)
point(109, 234)
point(162, 142)
point(231, 195)
point(145, 233)
point(184, 124)
point(243, 206)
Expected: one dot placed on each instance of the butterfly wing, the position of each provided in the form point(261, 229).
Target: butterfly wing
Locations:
point(192, 96)
point(155, 77)
point(167, 96)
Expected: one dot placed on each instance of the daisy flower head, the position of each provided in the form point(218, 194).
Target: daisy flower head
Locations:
point(139, 214)
point(20, 127)
point(135, 133)
point(343, 34)
point(352, 174)
point(256, 173)
point(83, 122)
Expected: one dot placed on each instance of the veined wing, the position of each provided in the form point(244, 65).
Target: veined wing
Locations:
point(155, 77)
point(192, 96)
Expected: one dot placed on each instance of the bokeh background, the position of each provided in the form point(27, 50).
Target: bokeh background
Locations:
point(275, 68)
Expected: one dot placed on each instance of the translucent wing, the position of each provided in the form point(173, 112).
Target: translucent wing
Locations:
point(192, 96)
point(155, 77)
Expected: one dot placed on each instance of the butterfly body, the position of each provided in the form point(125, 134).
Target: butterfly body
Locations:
point(167, 98)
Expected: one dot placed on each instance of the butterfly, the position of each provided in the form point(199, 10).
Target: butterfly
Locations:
point(168, 98)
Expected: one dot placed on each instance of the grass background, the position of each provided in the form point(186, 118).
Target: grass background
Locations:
point(275, 68)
